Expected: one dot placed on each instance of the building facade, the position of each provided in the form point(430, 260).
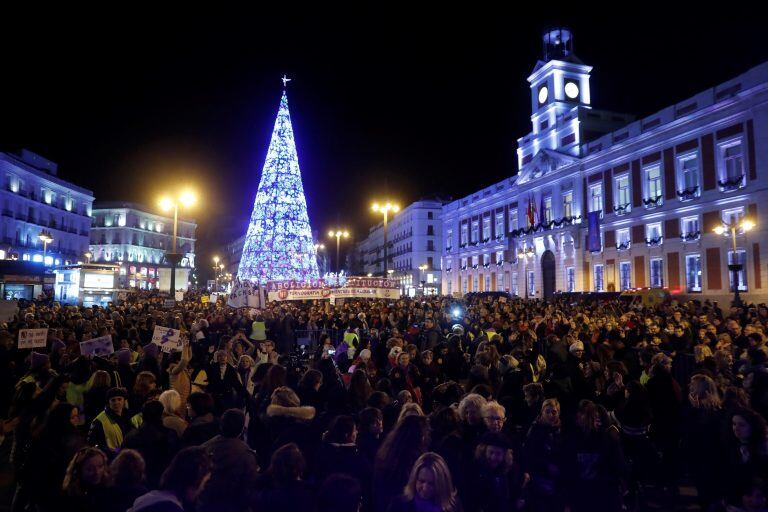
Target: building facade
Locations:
point(34, 199)
point(137, 239)
point(653, 191)
point(414, 239)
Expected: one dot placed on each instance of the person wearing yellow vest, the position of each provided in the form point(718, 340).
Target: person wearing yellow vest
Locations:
point(259, 329)
point(108, 428)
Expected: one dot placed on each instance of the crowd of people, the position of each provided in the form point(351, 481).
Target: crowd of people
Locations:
point(481, 404)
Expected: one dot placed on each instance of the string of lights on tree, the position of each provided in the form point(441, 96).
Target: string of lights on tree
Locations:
point(278, 244)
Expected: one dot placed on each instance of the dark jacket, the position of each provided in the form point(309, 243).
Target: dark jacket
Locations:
point(157, 444)
point(296, 495)
point(200, 430)
point(157, 501)
point(234, 474)
point(341, 458)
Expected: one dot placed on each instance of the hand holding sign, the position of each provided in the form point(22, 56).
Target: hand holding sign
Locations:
point(169, 340)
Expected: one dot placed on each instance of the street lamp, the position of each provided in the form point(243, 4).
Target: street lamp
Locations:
point(138, 280)
point(46, 238)
point(422, 268)
point(338, 234)
point(524, 255)
point(321, 247)
point(186, 198)
point(731, 228)
point(385, 209)
point(88, 255)
point(216, 260)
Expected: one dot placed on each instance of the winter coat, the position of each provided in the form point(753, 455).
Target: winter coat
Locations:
point(233, 476)
point(157, 444)
point(157, 501)
point(292, 425)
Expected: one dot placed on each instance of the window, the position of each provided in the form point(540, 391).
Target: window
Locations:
point(430, 245)
point(464, 286)
point(500, 282)
point(486, 259)
point(625, 275)
point(732, 162)
point(657, 272)
point(570, 279)
point(653, 233)
point(531, 283)
point(475, 234)
point(486, 229)
point(475, 260)
point(475, 284)
point(463, 263)
point(653, 186)
point(463, 234)
point(450, 287)
point(487, 283)
point(568, 204)
point(499, 256)
point(689, 228)
point(599, 282)
point(688, 166)
point(596, 198)
point(547, 209)
point(499, 225)
point(430, 230)
point(449, 239)
point(739, 259)
point(623, 240)
point(512, 220)
point(429, 215)
point(513, 284)
point(693, 272)
point(623, 199)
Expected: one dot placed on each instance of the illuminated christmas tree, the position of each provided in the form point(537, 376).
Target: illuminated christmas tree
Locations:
point(278, 244)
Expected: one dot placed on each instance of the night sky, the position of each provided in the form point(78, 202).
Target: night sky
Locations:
point(395, 103)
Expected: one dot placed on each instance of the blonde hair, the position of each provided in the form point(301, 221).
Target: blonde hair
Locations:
point(445, 493)
point(285, 397)
point(701, 352)
point(410, 409)
point(491, 406)
point(171, 401)
point(703, 393)
point(471, 400)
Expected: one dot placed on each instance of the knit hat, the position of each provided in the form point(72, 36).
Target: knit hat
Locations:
point(37, 360)
point(496, 439)
point(365, 354)
point(577, 345)
point(57, 345)
point(124, 356)
point(115, 392)
point(150, 350)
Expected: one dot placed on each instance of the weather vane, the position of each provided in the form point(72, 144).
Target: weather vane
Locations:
point(285, 80)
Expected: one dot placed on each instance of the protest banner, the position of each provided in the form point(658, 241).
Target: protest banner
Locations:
point(101, 346)
point(315, 289)
point(32, 338)
point(205, 299)
point(179, 296)
point(169, 303)
point(246, 294)
point(169, 340)
point(8, 310)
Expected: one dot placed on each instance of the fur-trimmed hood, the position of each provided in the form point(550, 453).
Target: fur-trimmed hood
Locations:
point(305, 412)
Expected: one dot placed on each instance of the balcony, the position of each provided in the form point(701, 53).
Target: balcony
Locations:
point(653, 202)
point(730, 184)
point(653, 242)
point(688, 194)
point(690, 237)
point(623, 246)
point(622, 209)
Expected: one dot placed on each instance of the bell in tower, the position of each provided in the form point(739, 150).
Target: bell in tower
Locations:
point(558, 44)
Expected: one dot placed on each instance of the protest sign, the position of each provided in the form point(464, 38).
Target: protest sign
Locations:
point(169, 340)
point(8, 309)
point(246, 294)
point(169, 303)
point(101, 346)
point(205, 299)
point(32, 338)
point(179, 296)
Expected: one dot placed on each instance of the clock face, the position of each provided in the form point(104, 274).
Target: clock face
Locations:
point(572, 90)
point(543, 94)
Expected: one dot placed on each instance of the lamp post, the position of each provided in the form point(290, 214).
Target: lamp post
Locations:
point(187, 199)
point(321, 247)
point(216, 271)
point(422, 268)
point(46, 238)
point(524, 255)
point(88, 255)
point(732, 228)
point(338, 234)
point(138, 280)
point(385, 209)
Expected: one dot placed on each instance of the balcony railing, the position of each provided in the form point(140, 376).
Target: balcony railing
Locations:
point(733, 183)
point(689, 193)
point(622, 209)
point(689, 237)
point(653, 202)
point(623, 246)
point(652, 242)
